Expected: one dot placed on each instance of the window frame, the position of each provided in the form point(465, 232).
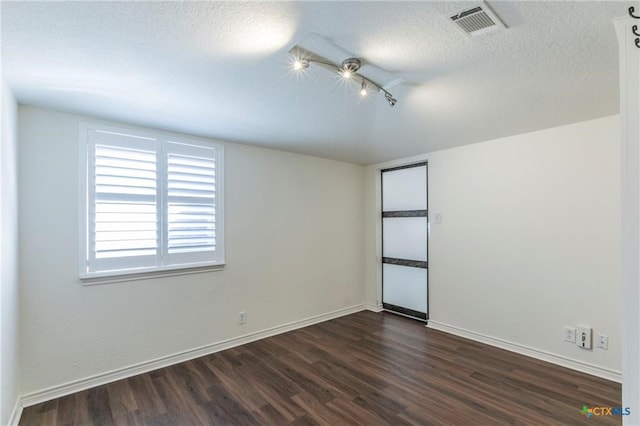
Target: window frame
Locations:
point(161, 140)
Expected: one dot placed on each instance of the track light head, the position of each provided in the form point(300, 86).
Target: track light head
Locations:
point(363, 88)
point(300, 64)
point(392, 101)
point(351, 65)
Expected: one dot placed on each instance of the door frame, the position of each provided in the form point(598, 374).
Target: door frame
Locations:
point(389, 307)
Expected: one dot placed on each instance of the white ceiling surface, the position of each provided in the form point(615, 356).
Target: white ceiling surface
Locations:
point(221, 70)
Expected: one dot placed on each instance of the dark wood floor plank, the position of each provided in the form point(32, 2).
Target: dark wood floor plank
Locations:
point(355, 413)
point(224, 407)
point(304, 380)
point(283, 404)
point(267, 415)
point(146, 395)
point(174, 400)
point(121, 399)
point(99, 406)
point(319, 412)
point(361, 369)
point(238, 386)
point(316, 373)
point(187, 377)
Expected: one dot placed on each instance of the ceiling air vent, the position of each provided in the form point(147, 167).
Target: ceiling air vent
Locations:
point(478, 20)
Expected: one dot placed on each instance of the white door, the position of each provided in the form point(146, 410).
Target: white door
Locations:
point(404, 240)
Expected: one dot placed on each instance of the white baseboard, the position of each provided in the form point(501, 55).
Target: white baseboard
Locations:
point(573, 364)
point(144, 367)
point(16, 414)
point(373, 307)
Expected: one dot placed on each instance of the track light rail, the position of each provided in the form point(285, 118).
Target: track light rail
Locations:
point(347, 70)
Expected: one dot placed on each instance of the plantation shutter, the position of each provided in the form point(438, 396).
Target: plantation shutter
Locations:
point(150, 204)
point(191, 203)
point(123, 226)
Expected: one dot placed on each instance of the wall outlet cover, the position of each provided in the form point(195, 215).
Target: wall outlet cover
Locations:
point(602, 341)
point(569, 334)
point(583, 338)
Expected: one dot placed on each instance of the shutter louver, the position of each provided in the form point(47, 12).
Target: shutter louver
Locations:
point(191, 192)
point(125, 202)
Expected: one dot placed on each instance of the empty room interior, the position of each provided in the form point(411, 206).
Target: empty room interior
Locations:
point(320, 213)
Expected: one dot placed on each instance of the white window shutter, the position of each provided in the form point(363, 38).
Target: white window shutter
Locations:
point(191, 203)
point(151, 204)
point(123, 215)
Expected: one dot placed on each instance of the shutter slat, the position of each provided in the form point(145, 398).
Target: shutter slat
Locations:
point(192, 186)
point(127, 253)
point(187, 193)
point(126, 181)
point(125, 190)
point(177, 160)
point(125, 208)
point(123, 171)
point(125, 226)
point(125, 218)
point(192, 233)
point(190, 218)
point(205, 168)
point(193, 177)
point(127, 235)
point(125, 245)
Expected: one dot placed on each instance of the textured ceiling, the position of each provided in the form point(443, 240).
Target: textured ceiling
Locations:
point(221, 70)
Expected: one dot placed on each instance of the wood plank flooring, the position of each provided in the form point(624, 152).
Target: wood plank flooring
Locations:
point(362, 369)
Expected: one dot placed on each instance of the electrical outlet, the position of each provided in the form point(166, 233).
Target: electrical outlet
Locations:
point(583, 339)
point(242, 317)
point(602, 341)
point(569, 334)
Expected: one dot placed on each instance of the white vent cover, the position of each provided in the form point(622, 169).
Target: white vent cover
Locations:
point(478, 20)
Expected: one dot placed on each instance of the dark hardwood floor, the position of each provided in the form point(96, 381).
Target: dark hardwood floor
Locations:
point(364, 369)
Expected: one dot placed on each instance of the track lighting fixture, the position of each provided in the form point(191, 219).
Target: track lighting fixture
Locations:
point(348, 70)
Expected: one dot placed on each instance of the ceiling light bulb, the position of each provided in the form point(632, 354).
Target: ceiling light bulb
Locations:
point(346, 74)
point(300, 64)
point(363, 89)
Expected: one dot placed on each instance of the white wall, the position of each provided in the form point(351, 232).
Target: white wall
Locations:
point(293, 249)
point(9, 307)
point(529, 241)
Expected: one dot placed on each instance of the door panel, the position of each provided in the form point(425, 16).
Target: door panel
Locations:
point(405, 238)
point(404, 189)
point(405, 287)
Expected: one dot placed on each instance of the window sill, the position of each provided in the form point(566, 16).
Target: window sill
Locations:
point(123, 276)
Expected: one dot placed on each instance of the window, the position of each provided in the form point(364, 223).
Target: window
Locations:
point(150, 203)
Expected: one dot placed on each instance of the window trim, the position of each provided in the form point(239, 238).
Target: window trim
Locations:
point(103, 277)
